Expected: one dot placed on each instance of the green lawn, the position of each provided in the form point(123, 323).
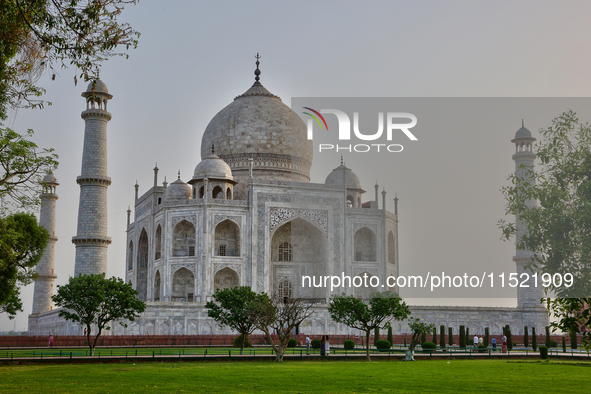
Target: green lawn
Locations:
point(302, 377)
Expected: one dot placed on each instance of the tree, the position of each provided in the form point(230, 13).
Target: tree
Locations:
point(558, 232)
point(22, 167)
point(22, 242)
point(230, 308)
point(38, 34)
point(418, 329)
point(92, 300)
point(280, 315)
point(354, 313)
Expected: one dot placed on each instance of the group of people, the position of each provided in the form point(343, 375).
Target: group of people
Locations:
point(480, 341)
point(324, 345)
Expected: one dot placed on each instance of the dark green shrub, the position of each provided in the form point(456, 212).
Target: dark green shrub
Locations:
point(429, 346)
point(468, 339)
point(405, 341)
point(292, 342)
point(482, 348)
point(543, 352)
point(450, 336)
point(525, 337)
point(548, 337)
point(237, 342)
point(534, 339)
point(442, 337)
point(462, 336)
point(573, 340)
point(509, 339)
point(376, 336)
point(563, 344)
point(553, 343)
point(486, 337)
point(423, 337)
point(382, 344)
point(390, 336)
point(349, 344)
point(315, 343)
point(434, 335)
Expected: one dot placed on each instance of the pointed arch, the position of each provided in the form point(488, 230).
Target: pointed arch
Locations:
point(364, 245)
point(183, 285)
point(158, 243)
point(142, 266)
point(157, 286)
point(227, 239)
point(391, 248)
point(226, 278)
point(183, 239)
point(218, 192)
point(130, 256)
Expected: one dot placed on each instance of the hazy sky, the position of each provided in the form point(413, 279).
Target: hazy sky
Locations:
point(195, 57)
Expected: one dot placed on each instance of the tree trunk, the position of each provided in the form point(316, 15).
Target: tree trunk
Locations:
point(367, 333)
point(242, 346)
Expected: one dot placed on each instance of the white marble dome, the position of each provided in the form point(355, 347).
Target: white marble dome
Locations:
point(100, 87)
point(340, 174)
point(523, 133)
point(50, 179)
point(212, 167)
point(179, 190)
point(258, 125)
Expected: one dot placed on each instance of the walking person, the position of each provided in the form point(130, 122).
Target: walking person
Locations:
point(50, 341)
point(475, 340)
point(327, 350)
point(494, 343)
point(323, 346)
point(308, 345)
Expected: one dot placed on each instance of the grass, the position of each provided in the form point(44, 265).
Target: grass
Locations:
point(302, 377)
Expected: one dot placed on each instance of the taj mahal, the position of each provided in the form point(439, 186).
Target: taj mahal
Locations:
point(248, 216)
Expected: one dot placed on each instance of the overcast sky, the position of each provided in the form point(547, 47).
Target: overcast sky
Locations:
point(195, 57)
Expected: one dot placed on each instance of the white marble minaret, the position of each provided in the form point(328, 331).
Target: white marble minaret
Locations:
point(91, 239)
point(524, 165)
point(42, 301)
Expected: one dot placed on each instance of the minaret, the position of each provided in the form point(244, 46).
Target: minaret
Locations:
point(524, 165)
point(91, 240)
point(42, 301)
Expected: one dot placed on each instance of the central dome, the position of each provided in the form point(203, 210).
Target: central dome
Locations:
point(258, 126)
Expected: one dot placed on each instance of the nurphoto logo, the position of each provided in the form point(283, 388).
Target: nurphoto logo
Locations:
point(393, 126)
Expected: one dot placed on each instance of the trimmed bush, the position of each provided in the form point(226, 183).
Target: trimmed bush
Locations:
point(553, 343)
point(486, 337)
point(525, 337)
point(423, 337)
point(543, 352)
point(405, 341)
point(315, 344)
point(573, 340)
point(292, 342)
point(509, 339)
point(482, 348)
point(462, 336)
point(349, 344)
point(563, 344)
point(434, 335)
point(534, 339)
point(390, 336)
point(450, 336)
point(468, 339)
point(442, 337)
point(237, 342)
point(548, 344)
point(382, 344)
point(429, 346)
point(376, 336)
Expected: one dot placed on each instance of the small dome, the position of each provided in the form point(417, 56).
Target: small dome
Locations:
point(338, 175)
point(523, 133)
point(50, 179)
point(179, 190)
point(212, 167)
point(100, 87)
